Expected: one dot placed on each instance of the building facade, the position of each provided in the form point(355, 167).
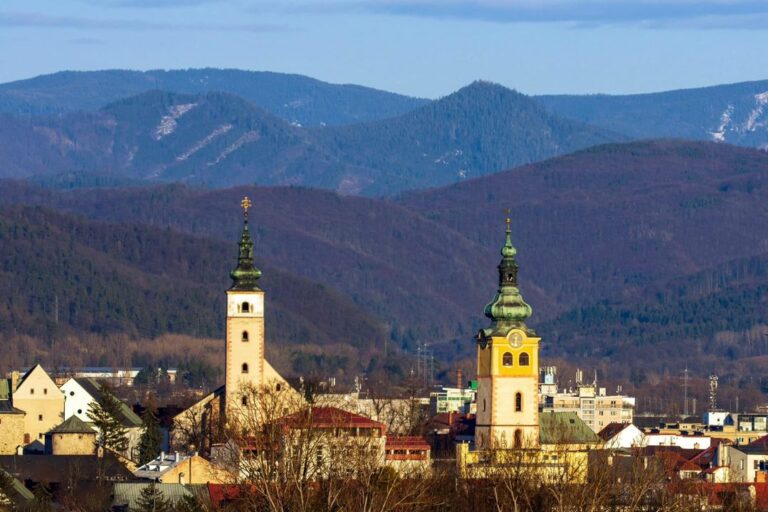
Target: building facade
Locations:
point(42, 401)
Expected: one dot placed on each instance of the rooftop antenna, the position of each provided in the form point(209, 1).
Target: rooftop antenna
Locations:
point(685, 391)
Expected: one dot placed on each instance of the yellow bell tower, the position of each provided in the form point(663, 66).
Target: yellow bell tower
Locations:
point(244, 356)
point(507, 366)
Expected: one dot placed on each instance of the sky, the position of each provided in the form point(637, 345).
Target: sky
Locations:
point(426, 48)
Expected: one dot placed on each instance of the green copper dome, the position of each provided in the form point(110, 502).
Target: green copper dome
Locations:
point(245, 275)
point(507, 310)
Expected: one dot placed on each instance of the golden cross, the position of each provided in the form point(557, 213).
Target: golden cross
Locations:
point(507, 211)
point(245, 204)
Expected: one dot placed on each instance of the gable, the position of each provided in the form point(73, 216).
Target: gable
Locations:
point(37, 384)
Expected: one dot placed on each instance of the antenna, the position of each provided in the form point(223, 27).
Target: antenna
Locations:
point(685, 391)
point(712, 393)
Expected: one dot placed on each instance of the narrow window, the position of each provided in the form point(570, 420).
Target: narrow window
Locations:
point(245, 400)
point(32, 391)
point(518, 438)
point(245, 367)
point(39, 417)
point(278, 387)
point(246, 308)
point(524, 359)
point(518, 402)
point(245, 336)
point(506, 359)
point(483, 404)
point(45, 391)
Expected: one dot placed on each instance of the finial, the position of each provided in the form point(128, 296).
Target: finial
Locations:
point(507, 212)
point(245, 204)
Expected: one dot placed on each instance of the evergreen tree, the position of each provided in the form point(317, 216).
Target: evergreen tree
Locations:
point(105, 417)
point(189, 503)
point(151, 441)
point(152, 500)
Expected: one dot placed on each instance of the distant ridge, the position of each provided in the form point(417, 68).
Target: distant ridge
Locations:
point(295, 98)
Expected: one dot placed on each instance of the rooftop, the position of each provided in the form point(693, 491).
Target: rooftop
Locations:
point(73, 425)
point(565, 428)
point(155, 469)
point(92, 387)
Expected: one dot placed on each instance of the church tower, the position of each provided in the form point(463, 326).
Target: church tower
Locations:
point(507, 365)
point(245, 325)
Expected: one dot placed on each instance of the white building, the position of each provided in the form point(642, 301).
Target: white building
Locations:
point(685, 442)
point(622, 435)
point(80, 394)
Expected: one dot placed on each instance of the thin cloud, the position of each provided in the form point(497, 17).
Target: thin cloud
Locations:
point(644, 13)
point(39, 20)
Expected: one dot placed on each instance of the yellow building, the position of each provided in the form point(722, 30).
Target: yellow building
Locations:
point(510, 432)
point(39, 397)
point(175, 468)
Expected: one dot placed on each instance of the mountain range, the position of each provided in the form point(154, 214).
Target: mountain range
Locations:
point(221, 140)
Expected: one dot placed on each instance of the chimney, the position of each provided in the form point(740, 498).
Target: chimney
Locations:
point(14, 381)
point(176, 457)
point(162, 457)
point(459, 378)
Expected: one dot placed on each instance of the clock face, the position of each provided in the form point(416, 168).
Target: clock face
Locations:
point(516, 340)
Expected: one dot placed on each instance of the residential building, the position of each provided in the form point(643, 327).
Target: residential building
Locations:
point(592, 404)
point(453, 400)
point(408, 454)
point(39, 397)
point(621, 435)
point(178, 468)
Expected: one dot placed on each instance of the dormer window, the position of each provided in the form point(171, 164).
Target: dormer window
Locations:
point(245, 308)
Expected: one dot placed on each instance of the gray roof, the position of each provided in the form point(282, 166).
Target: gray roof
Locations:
point(7, 408)
point(127, 417)
point(73, 425)
point(129, 493)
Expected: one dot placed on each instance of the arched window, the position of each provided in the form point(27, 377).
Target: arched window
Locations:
point(245, 367)
point(518, 402)
point(518, 438)
point(245, 335)
point(506, 359)
point(245, 308)
point(524, 359)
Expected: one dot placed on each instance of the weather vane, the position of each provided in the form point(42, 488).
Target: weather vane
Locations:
point(245, 204)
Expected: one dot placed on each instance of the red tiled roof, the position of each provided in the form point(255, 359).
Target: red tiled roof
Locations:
point(611, 430)
point(333, 417)
point(407, 442)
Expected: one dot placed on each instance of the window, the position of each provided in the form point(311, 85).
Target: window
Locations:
point(518, 402)
point(483, 404)
point(45, 391)
point(245, 336)
point(245, 367)
point(524, 359)
point(278, 387)
point(518, 438)
point(245, 400)
point(506, 359)
point(79, 411)
point(39, 417)
point(245, 308)
point(71, 393)
point(32, 391)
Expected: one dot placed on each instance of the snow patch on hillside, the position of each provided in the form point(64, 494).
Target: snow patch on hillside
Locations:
point(725, 120)
point(760, 101)
point(245, 138)
point(168, 122)
point(221, 130)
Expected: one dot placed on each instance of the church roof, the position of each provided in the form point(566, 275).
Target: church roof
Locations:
point(245, 275)
point(565, 428)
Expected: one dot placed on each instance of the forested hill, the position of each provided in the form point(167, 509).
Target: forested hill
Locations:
point(63, 276)
point(294, 98)
point(221, 140)
point(733, 113)
point(475, 131)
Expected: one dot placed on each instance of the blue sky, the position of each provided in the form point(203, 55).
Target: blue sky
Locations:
point(419, 47)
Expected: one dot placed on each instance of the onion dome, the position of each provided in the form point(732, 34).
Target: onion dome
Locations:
point(507, 310)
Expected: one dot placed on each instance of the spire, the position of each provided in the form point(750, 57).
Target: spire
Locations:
point(508, 310)
point(245, 275)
